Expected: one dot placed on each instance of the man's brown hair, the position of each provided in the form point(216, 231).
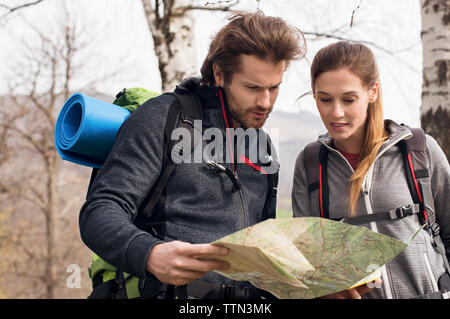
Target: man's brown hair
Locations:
point(266, 37)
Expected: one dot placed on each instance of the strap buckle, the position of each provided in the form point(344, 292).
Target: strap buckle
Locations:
point(188, 121)
point(121, 93)
point(435, 229)
point(274, 192)
point(404, 211)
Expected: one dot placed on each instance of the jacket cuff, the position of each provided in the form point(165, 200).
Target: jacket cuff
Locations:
point(137, 253)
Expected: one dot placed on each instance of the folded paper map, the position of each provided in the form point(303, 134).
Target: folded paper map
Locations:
point(306, 257)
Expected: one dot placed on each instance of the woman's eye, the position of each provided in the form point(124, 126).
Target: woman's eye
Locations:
point(325, 100)
point(348, 101)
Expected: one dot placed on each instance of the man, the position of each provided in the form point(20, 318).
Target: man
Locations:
point(240, 81)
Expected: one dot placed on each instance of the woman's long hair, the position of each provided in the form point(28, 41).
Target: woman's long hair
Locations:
point(359, 60)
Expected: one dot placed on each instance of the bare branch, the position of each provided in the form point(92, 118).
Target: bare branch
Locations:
point(379, 47)
point(219, 2)
point(29, 138)
point(337, 37)
point(353, 13)
point(180, 11)
point(12, 9)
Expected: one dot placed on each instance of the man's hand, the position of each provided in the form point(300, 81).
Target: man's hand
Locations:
point(354, 293)
point(178, 263)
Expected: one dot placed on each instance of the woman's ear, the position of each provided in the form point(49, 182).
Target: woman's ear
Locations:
point(218, 75)
point(373, 92)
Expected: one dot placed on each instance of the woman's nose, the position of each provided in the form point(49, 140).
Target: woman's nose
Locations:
point(337, 110)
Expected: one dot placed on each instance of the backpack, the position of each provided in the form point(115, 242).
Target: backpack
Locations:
point(107, 281)
point(417, 168)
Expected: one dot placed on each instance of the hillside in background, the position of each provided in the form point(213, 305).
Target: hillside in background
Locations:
point(295, 131)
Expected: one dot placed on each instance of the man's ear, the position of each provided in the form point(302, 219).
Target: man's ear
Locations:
point(218, 75)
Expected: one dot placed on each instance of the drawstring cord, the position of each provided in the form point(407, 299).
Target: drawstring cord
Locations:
point(222, 169)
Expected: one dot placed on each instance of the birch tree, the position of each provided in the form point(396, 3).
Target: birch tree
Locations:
point(172, 27)
point(435, 109)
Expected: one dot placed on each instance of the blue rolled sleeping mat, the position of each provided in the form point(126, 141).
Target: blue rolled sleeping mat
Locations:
point(86, 129)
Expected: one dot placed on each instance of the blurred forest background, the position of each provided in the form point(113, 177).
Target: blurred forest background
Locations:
point(54, 48)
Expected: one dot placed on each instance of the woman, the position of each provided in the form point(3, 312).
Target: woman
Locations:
point(366, 174)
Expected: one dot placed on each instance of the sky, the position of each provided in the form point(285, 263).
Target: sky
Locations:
point(122, 41)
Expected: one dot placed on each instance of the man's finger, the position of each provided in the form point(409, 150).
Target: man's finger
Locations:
point(200, 265)
point(205, 249)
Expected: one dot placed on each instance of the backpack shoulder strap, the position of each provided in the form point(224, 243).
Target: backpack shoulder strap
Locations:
point(185, 109)
point(417, 166)
point(311, 163)
point(270, 204)
point(315, 162)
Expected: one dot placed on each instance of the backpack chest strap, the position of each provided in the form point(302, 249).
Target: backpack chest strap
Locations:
point(392, 214)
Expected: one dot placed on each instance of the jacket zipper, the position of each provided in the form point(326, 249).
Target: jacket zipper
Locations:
point(339, 154)
point(430, 273)
point(241, 200)
point(366, 188)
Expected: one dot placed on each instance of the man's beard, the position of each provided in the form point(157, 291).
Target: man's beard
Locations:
point(241, 114)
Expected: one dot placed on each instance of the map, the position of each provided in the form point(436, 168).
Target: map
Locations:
point(306, 257)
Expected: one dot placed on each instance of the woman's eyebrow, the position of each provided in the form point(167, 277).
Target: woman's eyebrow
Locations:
point(322, 92)
point(345, 93)
point(350, 93)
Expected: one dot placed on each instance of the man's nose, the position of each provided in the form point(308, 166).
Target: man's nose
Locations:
point(263, 99)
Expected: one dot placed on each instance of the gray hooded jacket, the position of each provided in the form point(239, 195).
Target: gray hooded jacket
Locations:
point(417, 269)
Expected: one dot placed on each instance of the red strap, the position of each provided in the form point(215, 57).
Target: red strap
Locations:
point(416, 185)
point(247, 161)
point(227, 127)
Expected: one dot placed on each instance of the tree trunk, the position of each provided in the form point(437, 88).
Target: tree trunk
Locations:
point(172, 29)
point(53, 170)
point(435, 110)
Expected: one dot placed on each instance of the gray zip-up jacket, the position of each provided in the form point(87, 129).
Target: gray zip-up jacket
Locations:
point(417, 269)
point(198, 207)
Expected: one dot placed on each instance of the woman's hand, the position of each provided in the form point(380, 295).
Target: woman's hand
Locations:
point(354, 293)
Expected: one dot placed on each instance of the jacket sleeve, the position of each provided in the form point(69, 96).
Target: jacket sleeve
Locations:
point(440, 186)
point(122, 183)
point(301, 205)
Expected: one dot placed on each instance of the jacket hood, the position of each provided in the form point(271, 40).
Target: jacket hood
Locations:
point(396, 131)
